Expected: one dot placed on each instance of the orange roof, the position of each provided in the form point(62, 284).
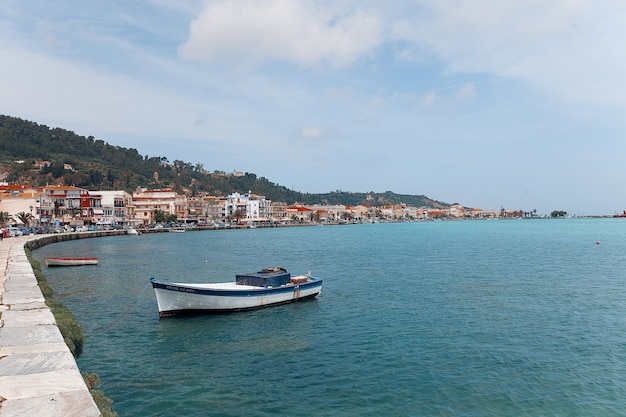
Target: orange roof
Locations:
point(62, 187)
point(15, 187)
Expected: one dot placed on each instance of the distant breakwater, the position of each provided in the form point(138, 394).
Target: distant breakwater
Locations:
point(63, 237)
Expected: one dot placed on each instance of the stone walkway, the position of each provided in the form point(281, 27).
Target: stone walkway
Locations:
point(38, 373)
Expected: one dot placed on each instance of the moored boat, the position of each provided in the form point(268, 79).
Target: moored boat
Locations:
point(55, 261)
point(268, 287)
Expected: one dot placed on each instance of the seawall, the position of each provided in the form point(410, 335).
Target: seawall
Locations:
point(38, 373)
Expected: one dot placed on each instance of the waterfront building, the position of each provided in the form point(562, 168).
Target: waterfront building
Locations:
point(300, 213)
point(248, 207)
point(325, 212)
point(258, 208)
point(195, 210)
point(22, 198)
point(117, 208)
point(485, 214)
point(235, 205)
point(147, 202)
point(181, 208)
point(278, 211)
point(68, 205)
point(214, 208)
point(387, 212)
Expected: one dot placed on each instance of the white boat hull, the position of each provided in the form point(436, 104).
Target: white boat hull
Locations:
point(71, 261)
point(176, 298)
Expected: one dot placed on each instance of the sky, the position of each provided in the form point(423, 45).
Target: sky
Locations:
point(515, 104)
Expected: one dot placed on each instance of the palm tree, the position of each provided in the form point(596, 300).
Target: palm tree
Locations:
point(74, 211)
point(25, 218)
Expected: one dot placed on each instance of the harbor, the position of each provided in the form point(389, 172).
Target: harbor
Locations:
point(485, 318)
point(474, 327)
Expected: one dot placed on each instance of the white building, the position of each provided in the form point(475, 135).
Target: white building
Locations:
point(117, 207)
point(248, 207)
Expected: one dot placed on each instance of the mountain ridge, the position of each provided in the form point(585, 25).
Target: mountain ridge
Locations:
point(37, 154)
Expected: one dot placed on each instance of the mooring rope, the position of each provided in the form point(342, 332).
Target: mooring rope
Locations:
point(102, 329)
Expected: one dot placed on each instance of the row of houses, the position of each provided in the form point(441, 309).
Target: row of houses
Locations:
point(69, 205)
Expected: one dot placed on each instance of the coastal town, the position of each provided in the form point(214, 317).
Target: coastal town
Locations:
point(62, 207)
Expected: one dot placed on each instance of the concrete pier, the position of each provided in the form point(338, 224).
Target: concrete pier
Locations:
point(38, 373)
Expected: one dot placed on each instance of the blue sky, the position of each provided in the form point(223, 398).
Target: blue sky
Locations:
point(516, 104)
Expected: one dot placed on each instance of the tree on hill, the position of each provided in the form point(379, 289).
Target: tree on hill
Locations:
point(97, 165)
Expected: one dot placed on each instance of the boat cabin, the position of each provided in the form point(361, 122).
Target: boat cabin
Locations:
point(267, 277)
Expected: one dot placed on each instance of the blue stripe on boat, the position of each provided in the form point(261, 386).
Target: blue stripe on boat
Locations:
point(169, 286)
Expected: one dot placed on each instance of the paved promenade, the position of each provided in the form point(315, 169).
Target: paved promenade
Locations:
point(38, 374)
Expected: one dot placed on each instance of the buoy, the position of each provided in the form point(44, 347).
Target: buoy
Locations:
point(597, 242)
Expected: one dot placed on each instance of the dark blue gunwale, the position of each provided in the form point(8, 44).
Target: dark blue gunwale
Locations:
point(169, 286)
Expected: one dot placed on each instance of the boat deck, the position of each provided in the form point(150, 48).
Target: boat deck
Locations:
point(233, 286)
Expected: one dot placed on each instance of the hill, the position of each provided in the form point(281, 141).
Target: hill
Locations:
point(40, 155)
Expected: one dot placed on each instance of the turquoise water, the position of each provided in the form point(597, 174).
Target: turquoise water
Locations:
point(471, 318)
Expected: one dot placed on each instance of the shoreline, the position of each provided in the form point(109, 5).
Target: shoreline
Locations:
point(38, 373)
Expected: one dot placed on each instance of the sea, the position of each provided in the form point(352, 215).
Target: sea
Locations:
point(439, 318)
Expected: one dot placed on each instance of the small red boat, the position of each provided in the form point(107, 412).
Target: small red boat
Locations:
point(52, 261)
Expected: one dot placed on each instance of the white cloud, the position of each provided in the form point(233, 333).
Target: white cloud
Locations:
point(246, 34)
point(449, 96)
point(465, 92)
point(68, 94)
point(567, 47)
point(429, 100)
point(339, 93)
point(311, 132)
point(308, 137)
point(377, 102)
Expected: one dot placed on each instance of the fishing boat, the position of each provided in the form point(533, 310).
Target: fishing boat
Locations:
point(268, 287)
point(53, 261)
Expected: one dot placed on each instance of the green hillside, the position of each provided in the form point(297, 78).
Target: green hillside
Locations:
point(98, 165)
